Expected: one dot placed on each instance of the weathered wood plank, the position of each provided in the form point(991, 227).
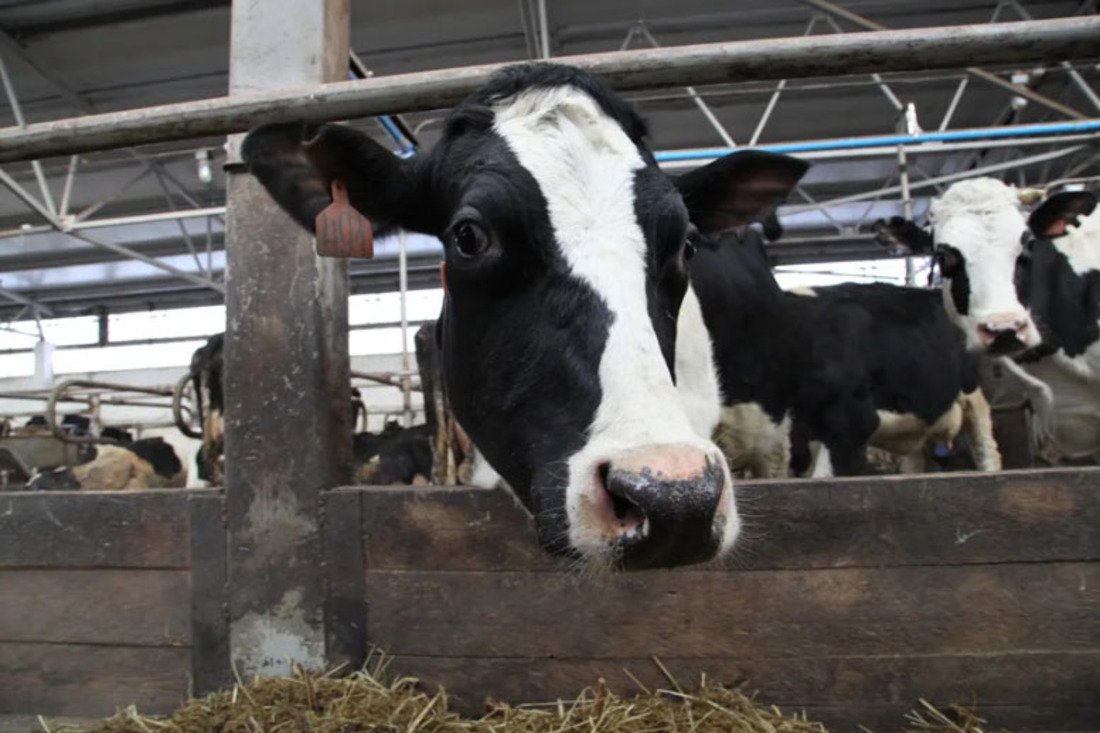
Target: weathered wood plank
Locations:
point(210, 666)
point(1023, 516)
point(846, 690)
point(132, 607)
point(345, 603)
point(901, 611)
point(84, 680)
point(140, 529)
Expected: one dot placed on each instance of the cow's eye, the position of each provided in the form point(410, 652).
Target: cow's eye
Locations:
point(469, 238)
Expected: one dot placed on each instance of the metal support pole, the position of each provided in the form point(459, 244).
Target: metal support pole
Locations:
point(17, 113)
point(544, 30)
point(1017, 89)
point(776, 93)
point(67, 188)
point(1074, 75)
point(24, 300)
point(286, 346)
point(876, 78)
point(403, 288)
point(907, 207)
point(1037, 41)
point(693, 95)
point(25, 196)
point(955, 99)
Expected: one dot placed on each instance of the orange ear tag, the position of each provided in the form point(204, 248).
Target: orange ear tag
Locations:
point(443, 276)
point(341, 230)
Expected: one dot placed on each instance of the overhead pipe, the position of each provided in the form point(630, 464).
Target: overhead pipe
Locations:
point(1039, 41)
point(892, 141)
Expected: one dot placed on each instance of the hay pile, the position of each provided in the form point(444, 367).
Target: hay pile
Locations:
point(361, 702)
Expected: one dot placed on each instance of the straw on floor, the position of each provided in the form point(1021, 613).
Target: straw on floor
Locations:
point(364, 702)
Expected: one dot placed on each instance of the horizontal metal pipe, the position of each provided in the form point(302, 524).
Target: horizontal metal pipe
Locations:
point(893, 141)
point(147, 218)
point(1041, 41)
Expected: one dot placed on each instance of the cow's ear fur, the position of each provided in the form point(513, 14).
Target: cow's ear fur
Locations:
point(739, 188)
point(1060, 210)
point(297, 164)
point(901, 235)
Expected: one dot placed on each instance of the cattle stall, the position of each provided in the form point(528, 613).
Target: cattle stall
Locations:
point(850, 598)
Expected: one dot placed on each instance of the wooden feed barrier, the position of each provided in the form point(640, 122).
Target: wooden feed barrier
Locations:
point(851, 599)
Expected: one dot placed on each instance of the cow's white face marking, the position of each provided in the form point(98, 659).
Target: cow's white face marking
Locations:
point(1081, 244)
point(982, 219)
point(585, 164)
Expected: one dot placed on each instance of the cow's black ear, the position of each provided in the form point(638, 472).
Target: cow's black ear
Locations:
point(297, 164)
point(739, 188)
point(901, 235)
point(1060, 210)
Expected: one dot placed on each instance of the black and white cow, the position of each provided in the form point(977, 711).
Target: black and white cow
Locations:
point(149, 463)
point(573, 345)
point(206, 377)
point(786, 365)
point(924, 382)
point(1029, 288)
point(845, 366)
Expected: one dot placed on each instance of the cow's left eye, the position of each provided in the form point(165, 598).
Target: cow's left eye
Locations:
point(469, 238)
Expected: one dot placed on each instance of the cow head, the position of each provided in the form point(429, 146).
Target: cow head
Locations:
point(1059, 278)
point(978, 239)
point(568, 310)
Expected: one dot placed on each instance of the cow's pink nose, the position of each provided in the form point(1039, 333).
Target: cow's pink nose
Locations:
point(660, 504)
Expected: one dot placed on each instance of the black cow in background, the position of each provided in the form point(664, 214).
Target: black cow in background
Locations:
point(925, 383)
point(397, 455)
point(128, 464)
point(206, 377)
point(847, 366)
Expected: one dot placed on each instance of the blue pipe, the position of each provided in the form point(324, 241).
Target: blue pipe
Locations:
point(883, 141)
point(405, 147)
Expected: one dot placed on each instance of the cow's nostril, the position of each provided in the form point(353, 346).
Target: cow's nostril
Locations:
point(625, 510)
point(627, 513)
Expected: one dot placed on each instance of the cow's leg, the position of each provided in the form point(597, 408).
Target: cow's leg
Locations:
point(978, 423)
point(822, 462)
point(912, 463)
point(751, 441)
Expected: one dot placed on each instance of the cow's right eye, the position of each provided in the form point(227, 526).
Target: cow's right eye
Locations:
point(469, 238)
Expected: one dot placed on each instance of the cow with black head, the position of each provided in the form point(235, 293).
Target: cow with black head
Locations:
point(573, 346)
point(1025, 288)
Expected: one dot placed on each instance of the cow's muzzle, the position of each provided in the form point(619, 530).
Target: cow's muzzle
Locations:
point(662, 506)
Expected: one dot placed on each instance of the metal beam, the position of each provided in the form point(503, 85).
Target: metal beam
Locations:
point(1017, 89)
point(135, 255)
point(25, 196)
point(17, 113)
point(929, 182)
point(1074, 75)
point(25, 301)
point(704, 108)
point(774, 58)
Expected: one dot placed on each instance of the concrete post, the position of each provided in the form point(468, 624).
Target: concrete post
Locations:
point(288, 424)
